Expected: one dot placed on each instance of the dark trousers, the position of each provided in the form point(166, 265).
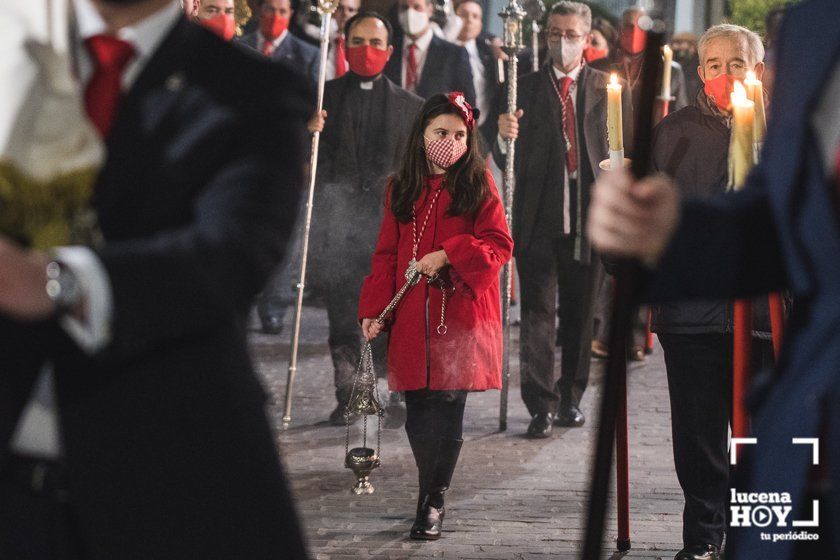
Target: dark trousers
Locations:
point(699, 368)
point(550, 266)
point(35, 525)
point(345, 336)
point(435, 414)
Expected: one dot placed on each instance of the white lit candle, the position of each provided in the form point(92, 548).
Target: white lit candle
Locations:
point(755, 93)
point(666, 72)
point(614, 123)
point(741, 156)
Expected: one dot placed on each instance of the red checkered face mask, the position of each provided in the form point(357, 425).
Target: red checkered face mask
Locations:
point(444, 152)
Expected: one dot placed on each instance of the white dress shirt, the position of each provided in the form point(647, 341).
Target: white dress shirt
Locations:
point(422, 43)
point(479, 80)
point(37, 433)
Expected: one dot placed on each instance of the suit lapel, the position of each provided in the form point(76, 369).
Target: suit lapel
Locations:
point(591, 90)
point(149, 100)
point(431, 69)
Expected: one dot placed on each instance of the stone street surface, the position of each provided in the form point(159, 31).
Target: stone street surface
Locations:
point(511, 497)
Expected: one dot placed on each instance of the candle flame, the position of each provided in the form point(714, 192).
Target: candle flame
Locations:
point(750, 77)
point(667, 50)
point(739, 94)
point(614, 79)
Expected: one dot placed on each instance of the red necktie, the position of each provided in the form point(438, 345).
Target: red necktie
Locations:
point(411, 68)
point(569, 123)
point(340, 57)
point(102, 95)
point(268, 47)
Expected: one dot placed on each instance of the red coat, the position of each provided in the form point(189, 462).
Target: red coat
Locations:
point(469, 355)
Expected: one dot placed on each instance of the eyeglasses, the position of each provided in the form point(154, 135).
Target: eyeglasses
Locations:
point(557, 34)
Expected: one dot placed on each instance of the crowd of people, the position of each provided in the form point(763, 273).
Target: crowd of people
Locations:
point(413, 132)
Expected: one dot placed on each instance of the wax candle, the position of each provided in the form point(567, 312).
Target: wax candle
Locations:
point(614, 123)
point(755, 93)
point(666, 72)
point(741, 156)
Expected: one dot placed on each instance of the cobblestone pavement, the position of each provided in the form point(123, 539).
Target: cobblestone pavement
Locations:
point(511, 497)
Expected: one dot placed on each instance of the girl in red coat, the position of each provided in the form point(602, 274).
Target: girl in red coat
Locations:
point(443, 216)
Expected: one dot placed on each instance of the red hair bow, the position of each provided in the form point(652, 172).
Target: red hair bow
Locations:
point(456, 98)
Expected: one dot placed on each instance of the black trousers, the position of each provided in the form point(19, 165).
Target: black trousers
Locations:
point(435, 414)
point(549, 267)
point(699, 368)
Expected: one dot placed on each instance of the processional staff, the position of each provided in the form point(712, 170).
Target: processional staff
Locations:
point(326, 8)
point(512, 16)
point(535, 10)
point(613, 410)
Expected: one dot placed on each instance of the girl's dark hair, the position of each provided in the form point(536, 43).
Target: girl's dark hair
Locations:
point(466, 180)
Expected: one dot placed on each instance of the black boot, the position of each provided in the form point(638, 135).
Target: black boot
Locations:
point(430, 514)
point(424, 451)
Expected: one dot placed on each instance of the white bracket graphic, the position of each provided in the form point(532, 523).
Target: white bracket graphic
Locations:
point(733, 448)
point(815, 519)
point(812, 441)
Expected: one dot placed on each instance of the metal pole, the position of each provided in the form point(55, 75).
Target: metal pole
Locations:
point(535, 46)
point(512, 16)
point(326, 7)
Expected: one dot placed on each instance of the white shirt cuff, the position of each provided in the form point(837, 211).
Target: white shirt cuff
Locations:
point(502, 144)
point(94, 333)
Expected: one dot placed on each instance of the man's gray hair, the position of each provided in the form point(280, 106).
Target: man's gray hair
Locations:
point(730, 31)
point(568, 8)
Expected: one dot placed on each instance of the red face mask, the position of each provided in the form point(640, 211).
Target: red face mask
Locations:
point(591, 53)
point(633, 39)
point(272, 26)
point(719, 90)
point(222, 25)
point(367, 61)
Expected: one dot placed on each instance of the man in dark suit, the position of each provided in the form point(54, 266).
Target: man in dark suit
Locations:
point(780, 231)
point(274, 40)
point(422, 62)
point(485, 69)
point(563, 110)
point(157, 444)
point(366, 122)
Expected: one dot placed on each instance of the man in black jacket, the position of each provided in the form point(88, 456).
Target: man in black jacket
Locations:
point(484, 65)
point(422, 62)
point(692, 147)
point(562, 141)
point(366, 122)
point(162, 448)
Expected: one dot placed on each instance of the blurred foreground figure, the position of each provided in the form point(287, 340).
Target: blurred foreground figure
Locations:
point(133, 425)
point(781, 231)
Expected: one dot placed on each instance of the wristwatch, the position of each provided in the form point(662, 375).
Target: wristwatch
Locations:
point(63, 287)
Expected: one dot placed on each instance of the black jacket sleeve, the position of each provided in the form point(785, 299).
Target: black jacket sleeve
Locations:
point(182, 281)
